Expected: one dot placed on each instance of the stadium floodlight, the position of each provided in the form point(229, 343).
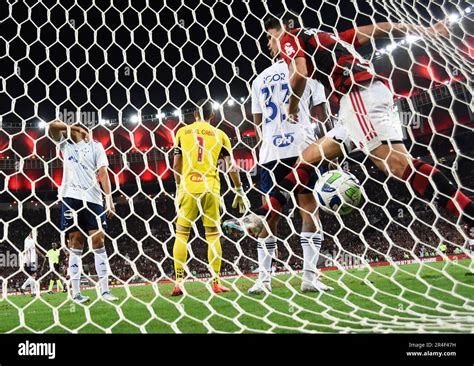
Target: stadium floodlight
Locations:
point(161, 115)
point(453, 18)
point(230, 102)
point(216, 105)
point(134, 118)
point(176, 113)
point(391, 47)
point(242, 99)
point(411, 38)
point(468, 10)
point(41, 124)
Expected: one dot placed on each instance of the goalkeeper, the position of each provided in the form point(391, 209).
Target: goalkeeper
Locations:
point(197, 150)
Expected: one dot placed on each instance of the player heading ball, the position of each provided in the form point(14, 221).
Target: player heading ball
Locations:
point(83, 214)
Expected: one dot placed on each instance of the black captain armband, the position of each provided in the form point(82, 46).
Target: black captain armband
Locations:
point(225, 152)
point(177, 151)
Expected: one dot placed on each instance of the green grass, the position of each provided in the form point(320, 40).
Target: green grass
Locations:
point(434, 297)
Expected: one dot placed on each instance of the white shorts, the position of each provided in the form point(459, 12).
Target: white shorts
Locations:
point(368, 116)
point(338, 132)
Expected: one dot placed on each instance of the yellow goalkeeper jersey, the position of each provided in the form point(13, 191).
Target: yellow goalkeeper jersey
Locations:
point(201, 145)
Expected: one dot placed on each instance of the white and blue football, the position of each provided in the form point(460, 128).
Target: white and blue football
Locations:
point(338, 192)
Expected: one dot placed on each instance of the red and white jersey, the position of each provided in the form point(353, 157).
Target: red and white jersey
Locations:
point(270, 96)
point(330, 58)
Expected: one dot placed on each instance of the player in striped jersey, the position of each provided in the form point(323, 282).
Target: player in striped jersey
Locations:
point(365, 112)
point(198, 147)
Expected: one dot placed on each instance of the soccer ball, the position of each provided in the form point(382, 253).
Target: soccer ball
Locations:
point(338, 192)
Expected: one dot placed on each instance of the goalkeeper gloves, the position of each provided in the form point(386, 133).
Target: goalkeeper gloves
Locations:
point(240, 200)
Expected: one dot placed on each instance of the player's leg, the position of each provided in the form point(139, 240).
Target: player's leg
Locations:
point(187, 211)
point(94, 220)
point(325, 148)
point(266, 252)
point(70, 225)
point(373, 124)
point(297, 180)
point(425, 180)
point(210, 208)
point(180, 256)
point(267, 241)
point(311, 240)
point(101, 262)
point(29, 279)
point(57, 274)
point(76, 247)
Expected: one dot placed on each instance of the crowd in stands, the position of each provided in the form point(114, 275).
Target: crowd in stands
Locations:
point(140, 238)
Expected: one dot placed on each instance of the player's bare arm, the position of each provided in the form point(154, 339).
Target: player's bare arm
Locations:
point(58, 129)
point(382, 30)
point(298, 78)
point(177, 168)
point(257, 120)
point(105, 183)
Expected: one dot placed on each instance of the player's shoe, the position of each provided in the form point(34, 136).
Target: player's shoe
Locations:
point(250, 224)
point(107, 296)
point(217, 288)
point(315, 286)
point(178, 290)
point(260, 288)
point(80, 299)
point(50, 292)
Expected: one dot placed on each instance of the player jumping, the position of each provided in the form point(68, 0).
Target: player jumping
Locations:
point(282, 143)
point(198, 148)
point(83, 215)
point(365, 112)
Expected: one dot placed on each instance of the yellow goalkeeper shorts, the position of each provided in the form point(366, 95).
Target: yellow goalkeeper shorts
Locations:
point(192, 206)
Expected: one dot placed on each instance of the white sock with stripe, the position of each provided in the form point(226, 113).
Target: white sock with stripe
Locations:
point(102, 268)
point(266, 249)
point(311, 244)
point(75, 270)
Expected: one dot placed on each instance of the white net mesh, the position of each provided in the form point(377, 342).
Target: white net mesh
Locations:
point(131, 72)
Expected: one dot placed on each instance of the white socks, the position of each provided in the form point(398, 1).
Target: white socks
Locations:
point(30, 282)
point(311, 244)
point(266, 249)
point(102, 268)
point(75, 270)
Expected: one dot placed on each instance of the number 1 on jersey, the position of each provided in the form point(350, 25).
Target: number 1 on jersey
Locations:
point(200, 148)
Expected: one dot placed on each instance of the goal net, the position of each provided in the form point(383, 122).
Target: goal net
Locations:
point(131, 72)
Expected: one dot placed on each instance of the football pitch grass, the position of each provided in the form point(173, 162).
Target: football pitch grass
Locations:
point(432, 297)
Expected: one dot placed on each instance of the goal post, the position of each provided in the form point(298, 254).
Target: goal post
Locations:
point(132, 73)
